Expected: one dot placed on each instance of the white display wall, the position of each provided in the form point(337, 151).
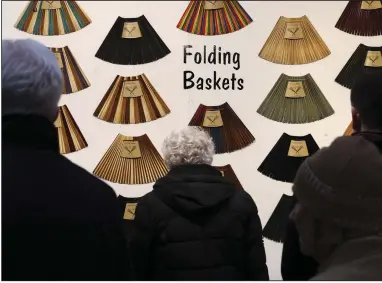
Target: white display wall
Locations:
point(166, 75)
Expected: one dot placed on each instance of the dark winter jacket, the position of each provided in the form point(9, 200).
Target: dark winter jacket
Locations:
point(295, 265)
point(58, 221)
point(195, 225)
point(355, 260)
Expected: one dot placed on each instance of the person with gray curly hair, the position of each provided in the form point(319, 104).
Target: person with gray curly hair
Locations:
point(59, 222)
point(195, 225)
point(191, 145)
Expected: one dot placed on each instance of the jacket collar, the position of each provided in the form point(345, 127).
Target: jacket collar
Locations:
point(194, 188)
point(373, 137)
point(194, 169)
point(29, 131)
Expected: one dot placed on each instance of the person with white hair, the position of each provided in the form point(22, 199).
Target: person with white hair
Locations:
point(58, 221)
point(195, 225)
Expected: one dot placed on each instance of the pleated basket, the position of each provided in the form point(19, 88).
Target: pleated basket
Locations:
point(363, 18)
point(275, 229)
point(228, 173)
point(294, 41)
point(226, 129)
point(131, 160)
point(283, 161)
point(131, 100)
point(349, 130)
point(295, 100)
point(364, 61)
point(132, 41)
point(51, 18)
point(70, 137)
point(214, 18)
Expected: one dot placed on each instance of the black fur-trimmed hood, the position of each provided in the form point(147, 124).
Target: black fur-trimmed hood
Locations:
point(194, 188)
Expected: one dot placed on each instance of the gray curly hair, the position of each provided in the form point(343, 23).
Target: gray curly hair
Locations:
point(191, 145)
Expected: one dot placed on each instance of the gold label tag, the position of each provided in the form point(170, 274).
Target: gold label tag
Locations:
point(212, 119)
point(50, 5)
point(131, 89)
point(131, 149)
point(298, 149)
point(58, 123)
point(373, 59)
point(222, 172)
point(293, 31)
point(59, 59)
point(371, 5)
point(295, 90)
point(130, 211)
point(131, 30)
point(213, 5)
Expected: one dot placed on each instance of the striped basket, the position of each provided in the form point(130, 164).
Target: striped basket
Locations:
point(230, 134)
point(74, 78)
point(131, 100)
point(283, 48)
point(131, 160)
point(69, 135)
point(229, 18)
point(52, 18)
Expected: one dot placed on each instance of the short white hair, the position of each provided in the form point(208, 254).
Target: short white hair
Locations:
point(191, 145)
point(31, 79)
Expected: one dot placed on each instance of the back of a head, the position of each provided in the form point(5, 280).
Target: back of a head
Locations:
point(366, 98)
point(339, 196)
point(191, 145)
point(31, 79)
point(339, 213)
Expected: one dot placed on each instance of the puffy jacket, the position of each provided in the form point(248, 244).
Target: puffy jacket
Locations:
point(195, 225)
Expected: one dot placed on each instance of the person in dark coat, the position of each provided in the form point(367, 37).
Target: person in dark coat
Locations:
point(59, 222)
point(195, 225)
point(338, 215)
point(366, 100)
